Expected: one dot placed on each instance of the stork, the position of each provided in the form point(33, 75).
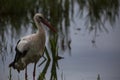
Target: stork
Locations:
point(30, 49)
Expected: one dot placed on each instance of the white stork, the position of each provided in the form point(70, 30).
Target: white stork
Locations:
point(29, 49)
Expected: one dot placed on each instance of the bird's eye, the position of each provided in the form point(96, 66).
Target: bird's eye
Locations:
point(40, 18)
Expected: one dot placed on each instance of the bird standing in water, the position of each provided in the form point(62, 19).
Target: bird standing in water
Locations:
point(30, 49)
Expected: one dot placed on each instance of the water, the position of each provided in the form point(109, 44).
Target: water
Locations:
point(86, 53)
point(86, 62)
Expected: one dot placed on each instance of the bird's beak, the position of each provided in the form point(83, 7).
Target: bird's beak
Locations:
point(44, 21)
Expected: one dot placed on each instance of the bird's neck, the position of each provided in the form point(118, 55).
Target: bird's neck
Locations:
point(40, 28)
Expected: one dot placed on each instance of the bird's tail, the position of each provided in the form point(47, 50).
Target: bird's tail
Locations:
point(12, 64)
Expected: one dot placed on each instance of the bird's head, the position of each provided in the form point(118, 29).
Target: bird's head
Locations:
point(39, 18)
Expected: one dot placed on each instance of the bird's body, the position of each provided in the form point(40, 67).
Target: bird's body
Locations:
point(30, 48)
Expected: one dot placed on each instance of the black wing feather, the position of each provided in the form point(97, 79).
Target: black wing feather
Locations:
point(19, 54)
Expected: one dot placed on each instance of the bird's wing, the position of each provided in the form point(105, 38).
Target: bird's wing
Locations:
point(21, 49)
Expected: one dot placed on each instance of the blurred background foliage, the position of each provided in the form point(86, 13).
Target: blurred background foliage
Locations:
point(96, 11)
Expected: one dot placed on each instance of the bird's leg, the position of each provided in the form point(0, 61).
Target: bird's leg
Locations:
point(34, 71)
point(26, 73)
point(42, 61)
